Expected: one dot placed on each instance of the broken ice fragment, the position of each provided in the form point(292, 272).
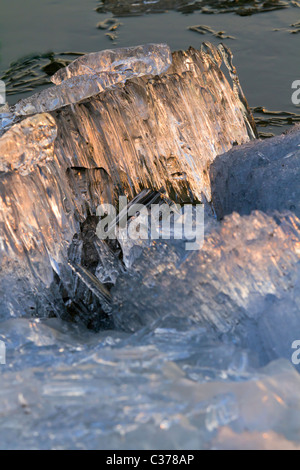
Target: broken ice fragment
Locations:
point(93, 73)
point(109, 23)
point(91, 281)
point(161, 132)
point(69, 92)
point(151, 59)
point(28, 144)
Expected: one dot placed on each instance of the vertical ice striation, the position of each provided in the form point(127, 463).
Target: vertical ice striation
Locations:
point(160, 133)
point(28, 144)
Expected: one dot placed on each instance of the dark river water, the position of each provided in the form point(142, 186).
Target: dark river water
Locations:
point(267, 61)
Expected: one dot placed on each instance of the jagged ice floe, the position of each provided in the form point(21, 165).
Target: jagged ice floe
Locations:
point(188, 349)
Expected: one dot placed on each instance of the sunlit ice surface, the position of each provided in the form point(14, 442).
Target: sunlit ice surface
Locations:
point(197, 348)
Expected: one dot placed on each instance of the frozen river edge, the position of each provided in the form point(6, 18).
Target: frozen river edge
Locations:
point(200, 355)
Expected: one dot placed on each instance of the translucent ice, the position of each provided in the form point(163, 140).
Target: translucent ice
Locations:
point(93, 73)
point(186, 371)
point(135, 132)
point(162, 132)
point(69, 92)
point(260, 175)
point(171, 387)
point(28, 144)
point(151, 59)
point(237, 284)
point(7, 118)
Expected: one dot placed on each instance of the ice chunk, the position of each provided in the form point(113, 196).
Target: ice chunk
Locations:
point(7, 118)
point(150, 59)
point(93, 73)
point(161, 144)
point(258, 176)
point(92, 282)
point(162, 132)
point(248, 268)
point(159, 133)
point(69, 92)
point(183, 397)
point(28, 144)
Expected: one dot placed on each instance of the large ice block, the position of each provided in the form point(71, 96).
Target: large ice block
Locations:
point(160, 133)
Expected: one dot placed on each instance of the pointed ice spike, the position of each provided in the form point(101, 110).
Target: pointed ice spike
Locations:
point(91, 282)
point(228, 60)
point(146, 198)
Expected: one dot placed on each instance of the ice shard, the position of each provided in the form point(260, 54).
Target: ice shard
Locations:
point(93, 73)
